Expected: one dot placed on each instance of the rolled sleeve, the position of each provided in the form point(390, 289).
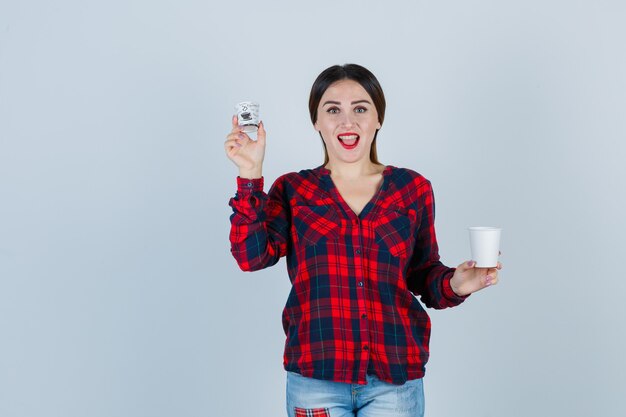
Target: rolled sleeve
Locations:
point(447, 290)
point(249, 185)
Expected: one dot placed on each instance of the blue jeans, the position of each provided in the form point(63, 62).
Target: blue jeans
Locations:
point(317, 398)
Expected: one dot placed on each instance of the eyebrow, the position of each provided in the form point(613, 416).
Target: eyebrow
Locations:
point(338, 103)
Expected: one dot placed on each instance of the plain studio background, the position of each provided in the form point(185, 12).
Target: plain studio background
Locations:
point(118, 293)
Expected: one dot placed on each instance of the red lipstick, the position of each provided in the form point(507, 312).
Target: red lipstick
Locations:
point(349, 140)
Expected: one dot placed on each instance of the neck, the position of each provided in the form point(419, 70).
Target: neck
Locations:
point(353, 170)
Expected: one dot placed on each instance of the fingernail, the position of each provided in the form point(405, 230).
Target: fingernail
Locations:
point(470, 263)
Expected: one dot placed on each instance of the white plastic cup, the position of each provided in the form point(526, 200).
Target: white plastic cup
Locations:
point(248, 116)
point(485, 246)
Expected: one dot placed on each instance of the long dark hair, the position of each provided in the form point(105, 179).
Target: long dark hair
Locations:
point(353, 72)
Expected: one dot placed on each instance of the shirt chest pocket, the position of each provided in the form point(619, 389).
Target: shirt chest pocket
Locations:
point(315, 224)
point(394, 233)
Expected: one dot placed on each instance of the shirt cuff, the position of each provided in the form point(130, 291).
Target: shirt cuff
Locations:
point(248, 185)
point(448, 292)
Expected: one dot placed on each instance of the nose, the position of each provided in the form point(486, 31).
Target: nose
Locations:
point(347, 119)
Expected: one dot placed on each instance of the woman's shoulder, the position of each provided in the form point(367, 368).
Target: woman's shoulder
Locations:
point(297, 177)
point(407, 177)
point(300, 175)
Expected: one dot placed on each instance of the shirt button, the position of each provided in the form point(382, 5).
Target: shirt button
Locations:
point(358, 251)
point(249, 184)
point(360, 283)
point(363, 316)
point(366, 347)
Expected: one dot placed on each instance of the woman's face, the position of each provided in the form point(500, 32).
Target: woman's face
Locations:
point(347, 120)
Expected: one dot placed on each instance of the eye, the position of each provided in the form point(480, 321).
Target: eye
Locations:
point(360, 110)
point(333, 110)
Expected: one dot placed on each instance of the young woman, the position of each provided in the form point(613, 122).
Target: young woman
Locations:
point(360, 243)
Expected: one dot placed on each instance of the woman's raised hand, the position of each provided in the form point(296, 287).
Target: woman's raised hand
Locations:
point(246, 153)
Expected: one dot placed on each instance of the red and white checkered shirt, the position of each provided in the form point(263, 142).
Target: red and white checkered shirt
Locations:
point(352, 307)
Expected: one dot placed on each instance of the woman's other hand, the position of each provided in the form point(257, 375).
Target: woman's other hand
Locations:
point(246, 153)
point(468, 278)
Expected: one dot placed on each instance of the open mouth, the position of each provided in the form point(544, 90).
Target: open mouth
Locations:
point(348, 140)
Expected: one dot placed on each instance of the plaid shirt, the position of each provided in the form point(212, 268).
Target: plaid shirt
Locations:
point(351, 309)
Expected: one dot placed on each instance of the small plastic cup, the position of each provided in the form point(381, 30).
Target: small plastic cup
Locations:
point(248, 116)
point(485, 245)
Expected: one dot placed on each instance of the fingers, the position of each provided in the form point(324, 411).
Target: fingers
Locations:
point(488, 281)
point(492, 276)
point(491, 279)
point(232, 143)
point(235, 125)
point(465, 266)
point(260, 134)
point(238, 136)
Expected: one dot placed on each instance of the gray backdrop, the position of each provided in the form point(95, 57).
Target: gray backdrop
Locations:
point(118, 294)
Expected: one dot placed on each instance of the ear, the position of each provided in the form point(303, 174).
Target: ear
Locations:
point(315, 126)
point(379, 126)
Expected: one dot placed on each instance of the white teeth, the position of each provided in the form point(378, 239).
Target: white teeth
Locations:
point(348, 138)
